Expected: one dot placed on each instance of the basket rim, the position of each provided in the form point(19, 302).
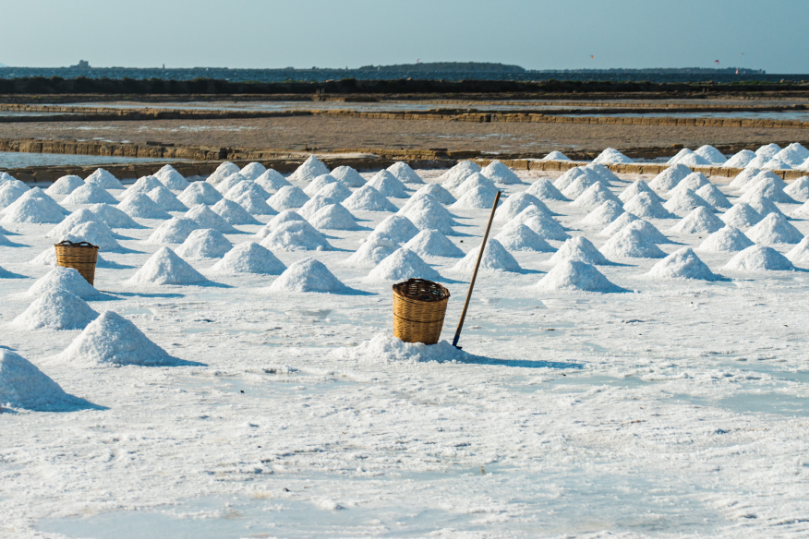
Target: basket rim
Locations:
point(78, 244)
point(444, 292)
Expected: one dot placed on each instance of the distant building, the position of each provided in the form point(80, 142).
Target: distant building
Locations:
point(83, 64)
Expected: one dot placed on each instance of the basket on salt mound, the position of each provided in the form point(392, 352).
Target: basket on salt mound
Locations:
point(81, 256)
point(419, 307)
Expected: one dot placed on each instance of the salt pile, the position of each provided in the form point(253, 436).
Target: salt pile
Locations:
point(295, 236)
point(348, 176)
point(516, 204)
point(693, 181)
point(637, 187)
point(799, 189)
point(688, 158)
point(800, 253)
point(602, 172)
point(426, 213)
point(65, 185)
point(175, 230)
point(205, 218)
point(89, 194)
point(165, 267)
point(576, 276)
point(222, 171)
point(433, 243)
point(794, 154)
point(252, 171)
point(95, 233)
point(204, 243)
point(230, 182)
point(334, 217)
point(249, 257)
point(682, 264)
point(711, 154)
point(141, 206)
point(741, 216)
point(172, 179)
point(56, 309)
point(647, 230)
point(402, 172)
point(768, 151)
point(495, 259)
point(433, 189)
point(288, 198)
point(623, 220)
point(475, 180)
point(669, 178)
point(233, 213)
point(760, 161)
point(739, 160)
point(402, 265)
point(521, 238)
point(112, 216)
point(713, 196)
point(10, 192)
point(744, 177)
point(313, 205)
point(766, 188)
point(726, 240)
point(308, 275)
point(385, 349)
point(776, 164)
point(246, 186)
point(309, 170)
point(802, 212)
point(555, 156)
point(579, 185)
point(500, 174)
point(611, 156)
point(387, 184)
point(543, 189)
point(594, 195)
point(83, 215)
point(771, 178)
point(581, 249)
point(103, 179)
point(335, 192)
point(366, 198)
point(200, 193)
point(395, 228)
point(774, 229)
point(113, 340)
point(630, 243)
point(372, 251)
point(165, 199)
point(62, 279)
point(685, 201)
point(563, 181)
point(271, 181)
point(647, 206)
point(607, 212)
point(319, 183)
point(698, 221)
point(283, 217)
point(457, 174)
point(478, 197)
point(758, 258)
point(24, 386)
point(254, 204)
point(764, 206)
point(544, 226)
point(144, 184)
point(34, 206)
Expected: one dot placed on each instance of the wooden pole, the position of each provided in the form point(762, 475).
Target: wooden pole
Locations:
point(475, 274)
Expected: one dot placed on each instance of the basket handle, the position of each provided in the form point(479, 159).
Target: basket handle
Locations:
point(68, 243)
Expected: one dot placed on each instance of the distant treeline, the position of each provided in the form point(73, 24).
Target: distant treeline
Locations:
point(447, 67)
point(84, 85)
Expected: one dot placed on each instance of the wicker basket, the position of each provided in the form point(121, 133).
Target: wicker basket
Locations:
point(80, 256)
point(419, 307)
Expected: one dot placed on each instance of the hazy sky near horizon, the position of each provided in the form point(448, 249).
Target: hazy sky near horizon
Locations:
point(538, 34)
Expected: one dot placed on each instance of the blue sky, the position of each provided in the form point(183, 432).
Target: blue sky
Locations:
point(762, 34)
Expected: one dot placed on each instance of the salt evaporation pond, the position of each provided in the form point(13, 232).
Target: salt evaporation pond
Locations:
point(21, 160)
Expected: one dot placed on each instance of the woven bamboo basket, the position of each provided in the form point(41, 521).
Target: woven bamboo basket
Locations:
point(419, 307)
point(80, 256)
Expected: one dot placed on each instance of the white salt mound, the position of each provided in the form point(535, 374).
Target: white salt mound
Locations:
point(230, 182)
point(175, 230)
point(544, 190)
point(637, 187)
point(457, 174)
point(165, 267)
point(372, 252)
point(475, 180)
point(433, 189)
point(249, 257)
point(713, 196)
point(402, 172)
point(334, 217)
point(744, 177)
point(295, 236)
point(397, 228)
point(141, 206)
point(739, 160)
point(309, 170)
point(726, 240)
point(204, 243)
point(65, 185)
point(799, 189)
point(10, 193)
point(200, 193)
point(24, 386)
point(574, 275)
point(776, 164)
point(688, 158)
point(521, 238)
point(769, 150)
point(581, 249)
point(95, 233)
point(555, 156)
point(623, 220)
point(516, 204)
point(313, 205)
point(800, 253)
point(611, 156)
point(386, 349)
point(366, 198)
point(579, 186)
point(348, 176)
point(759, 258)
point(495, 258)
point(283, 217)
point(34, 206)
point(428, 214)
point(607, 212)
point(144, 184)
point(288, 198)
point(764, 206)
point(335, 192)
point(774, 229)
point(103, 179)
point(233, 213)
point(113, 340)
point(56, 309)
point(433, 243)
point(563, 181)
point(647, 206)
point(90, 194)
point(252, 171)
point(112, 216)
point(630, 243)
point(246, 186)
point(82, 215)
point(766, 189)
point(669, 178)
point(62, 279)
point(387, 184)
point(741, 216)
point(682, 264)
point(500, 174)
point(308, 275)
point(172, 179)
point(711, 154)
point(478, 197)
point(271, 181)
point(794, 154)
point(647, 230)
point(205, 218)
point(254, 204)
point(224, 170)
point(684, 202)
point(544, 226)
point(698, 221)
point(594, 196)
point(319, 183)
point(693, 181)
point(401, 265)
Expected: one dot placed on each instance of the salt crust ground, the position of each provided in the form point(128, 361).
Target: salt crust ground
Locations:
point(682, 405)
